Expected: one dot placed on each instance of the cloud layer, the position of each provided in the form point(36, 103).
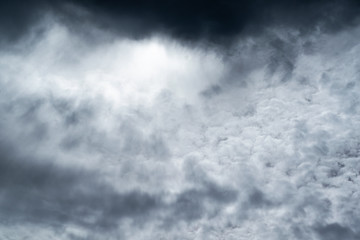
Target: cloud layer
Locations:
point(110, 137)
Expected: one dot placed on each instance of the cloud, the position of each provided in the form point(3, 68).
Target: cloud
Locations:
point(336, 231)
point(133, 139)
point(42, 193)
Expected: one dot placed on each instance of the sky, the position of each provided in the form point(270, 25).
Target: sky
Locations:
point(179, 120)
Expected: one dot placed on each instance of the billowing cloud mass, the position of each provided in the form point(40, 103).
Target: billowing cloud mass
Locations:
point(180, 120)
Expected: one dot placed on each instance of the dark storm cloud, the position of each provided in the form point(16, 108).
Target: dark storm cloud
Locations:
point(46, 194)
point(335, 231)
point(187, 20)
point(42, 193)
point(220, 20)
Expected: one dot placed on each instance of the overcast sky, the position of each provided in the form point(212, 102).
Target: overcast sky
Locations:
point(166, 119)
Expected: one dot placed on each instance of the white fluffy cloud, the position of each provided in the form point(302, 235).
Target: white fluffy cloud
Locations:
point(153, 139)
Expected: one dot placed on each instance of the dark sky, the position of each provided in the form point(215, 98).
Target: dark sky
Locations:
point(214, 21)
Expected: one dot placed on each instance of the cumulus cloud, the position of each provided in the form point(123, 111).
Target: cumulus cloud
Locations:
point(104, 136)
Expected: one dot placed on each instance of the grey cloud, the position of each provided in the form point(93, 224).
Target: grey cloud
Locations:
point(270, 149)
point(336, 231)
point(44, 193)
point(77, 121)
point(72, 114)
point(51, 196)
point(190, 204)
